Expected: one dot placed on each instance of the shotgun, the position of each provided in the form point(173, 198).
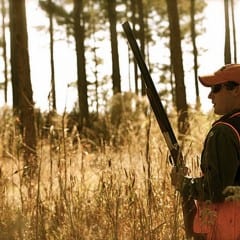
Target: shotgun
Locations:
point(176, 157)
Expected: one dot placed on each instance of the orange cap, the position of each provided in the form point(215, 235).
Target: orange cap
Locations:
point(229, 72)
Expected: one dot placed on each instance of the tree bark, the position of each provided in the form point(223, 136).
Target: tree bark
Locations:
point(111, 8)
point(141, 38)
point(79, 35)
point(4, 52)
point(195, 51)
point(22, 89)
point(53, 90)
point(234, 32)
point(227, 47)
point(177, 65)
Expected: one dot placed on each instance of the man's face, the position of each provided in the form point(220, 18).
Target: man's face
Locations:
point(224, 100)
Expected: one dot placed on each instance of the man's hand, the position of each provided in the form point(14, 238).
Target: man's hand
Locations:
point(177, 177)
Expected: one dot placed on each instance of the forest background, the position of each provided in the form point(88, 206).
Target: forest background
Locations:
point(91, 162)
point(211, 41)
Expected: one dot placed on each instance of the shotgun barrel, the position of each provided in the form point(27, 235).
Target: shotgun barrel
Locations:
point(154, 100)
point(188, 205)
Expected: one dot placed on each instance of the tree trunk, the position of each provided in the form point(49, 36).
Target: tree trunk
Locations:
point(4, 52)
point(234, 32)
point(227, 47)
point(79, 35)
point(177, 64)
point(141, 38)
point(111, 8)
point(195, 52)
point(53, 90)
point(22, 89)
point(134, 22)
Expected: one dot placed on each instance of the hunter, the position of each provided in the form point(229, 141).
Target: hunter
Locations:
point(216, 191)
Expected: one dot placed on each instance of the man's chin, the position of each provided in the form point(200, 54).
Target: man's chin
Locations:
point(218, 112)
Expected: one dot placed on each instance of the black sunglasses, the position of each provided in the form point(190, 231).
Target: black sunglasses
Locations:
point(216, 88)
point(229, 86)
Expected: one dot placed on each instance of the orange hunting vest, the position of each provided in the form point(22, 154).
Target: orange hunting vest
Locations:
point(220, 221)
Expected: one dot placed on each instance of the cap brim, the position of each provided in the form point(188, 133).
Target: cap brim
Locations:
point(210, 80)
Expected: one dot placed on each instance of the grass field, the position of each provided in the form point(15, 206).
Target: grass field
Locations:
point(115, 190)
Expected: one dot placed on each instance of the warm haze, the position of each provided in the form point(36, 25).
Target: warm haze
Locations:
point(65, 62)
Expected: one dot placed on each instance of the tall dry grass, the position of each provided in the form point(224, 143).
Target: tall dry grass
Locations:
point(119, 190)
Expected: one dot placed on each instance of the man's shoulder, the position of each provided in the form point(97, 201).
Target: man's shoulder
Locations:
point(227, 129)
point(231, 120)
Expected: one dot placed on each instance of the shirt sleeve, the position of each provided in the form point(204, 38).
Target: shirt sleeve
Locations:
point(219, 164)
